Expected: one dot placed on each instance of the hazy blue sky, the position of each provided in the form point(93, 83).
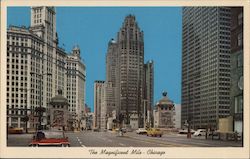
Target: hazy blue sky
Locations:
point(92, 27)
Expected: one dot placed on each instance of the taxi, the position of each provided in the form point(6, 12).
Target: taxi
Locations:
point(154, 132)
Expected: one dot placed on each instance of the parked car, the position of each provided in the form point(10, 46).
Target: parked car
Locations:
point(141, 131)
point(12, 130)
point(200, 132)
point(49, 138)
point(124, 130)
point(154, 132)
point(185, 131)
point(96, 130)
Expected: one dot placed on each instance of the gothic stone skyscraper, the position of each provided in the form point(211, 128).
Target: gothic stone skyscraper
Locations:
point(205, 65)
point(130, 68)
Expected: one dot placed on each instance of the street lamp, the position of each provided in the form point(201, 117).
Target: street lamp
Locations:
point(40, 110)
point(188, 107)
point(26, 118)
point(145, 112)
point(190, 117)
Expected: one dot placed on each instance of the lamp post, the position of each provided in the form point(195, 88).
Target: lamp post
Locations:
point(145, 112)
point(189, 117)
point(188, 113)
point(26, 118)
point(40, 110)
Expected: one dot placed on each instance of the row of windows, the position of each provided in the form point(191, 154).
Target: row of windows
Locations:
point(17, 44)
point(17, 38)
point(12, 112)
point(16, 49)
point(17, 55)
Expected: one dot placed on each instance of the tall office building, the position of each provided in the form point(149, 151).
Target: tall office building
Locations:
point(148, 96)
point(111, 77)
point(205, 65)
point(130, 68)
point(76, 74)
point(129, 82)
point(236, 92)
point(37, 68)
point(99, 105)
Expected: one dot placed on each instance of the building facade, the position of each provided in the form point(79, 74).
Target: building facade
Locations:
point(129, 82)
point(177, 116)
point(164, 113)
point(205, 65)
point(130, 42)
point(58, 113)
point(76, 74)
point(99, 105)
point(111, 77)
point(236, 92)
point(37, 69)
point(148, 86)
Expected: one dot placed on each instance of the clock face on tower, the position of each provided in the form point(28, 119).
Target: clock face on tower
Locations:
point(240, 83)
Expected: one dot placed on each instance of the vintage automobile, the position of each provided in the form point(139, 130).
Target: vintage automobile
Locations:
point(141, 131)
point(12, 130)
point(50, 138)
point(154, 132)
point(200, 132)
point(185, 131)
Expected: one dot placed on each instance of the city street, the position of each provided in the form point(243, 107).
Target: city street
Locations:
point(130, 139)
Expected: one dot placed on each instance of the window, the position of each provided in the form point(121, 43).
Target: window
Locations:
point(240, 60)
point(240, 39)
point(240, 18)
point(238, 101)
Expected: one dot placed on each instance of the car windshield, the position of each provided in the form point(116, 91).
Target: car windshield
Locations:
point(53, 134)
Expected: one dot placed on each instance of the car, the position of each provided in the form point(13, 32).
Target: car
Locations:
point(141, 131)
point(12, 130)
point(154, 132)
point(124, 130)
point(49, 138)
point(200, 132)
point(96, 130)
point(185, 131)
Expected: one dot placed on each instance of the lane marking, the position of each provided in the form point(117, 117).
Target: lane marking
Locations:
point(80, 142)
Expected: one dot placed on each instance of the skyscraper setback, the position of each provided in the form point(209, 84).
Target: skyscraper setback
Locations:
point(205, 65)
point(126, 74)
point(131, 60)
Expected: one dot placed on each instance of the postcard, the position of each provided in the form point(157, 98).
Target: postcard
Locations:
point(124, 79)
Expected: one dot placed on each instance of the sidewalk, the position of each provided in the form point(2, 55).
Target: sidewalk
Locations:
point(208, 140)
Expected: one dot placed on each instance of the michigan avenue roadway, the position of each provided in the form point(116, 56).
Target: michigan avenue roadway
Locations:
point(129, 139)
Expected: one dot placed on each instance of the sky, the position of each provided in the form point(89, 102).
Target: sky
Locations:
point(92, 27)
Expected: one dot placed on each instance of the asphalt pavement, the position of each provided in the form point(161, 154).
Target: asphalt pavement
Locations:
point(129, 139)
